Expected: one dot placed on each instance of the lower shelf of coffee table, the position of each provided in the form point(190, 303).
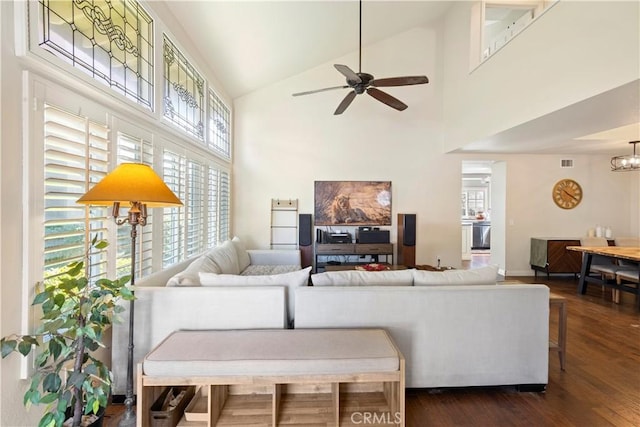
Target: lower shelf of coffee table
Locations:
point(301, 409)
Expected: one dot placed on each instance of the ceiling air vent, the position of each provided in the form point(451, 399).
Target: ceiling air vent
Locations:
point(566, 163)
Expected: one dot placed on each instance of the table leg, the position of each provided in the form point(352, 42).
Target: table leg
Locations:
point(584, 271)
point(562, 333)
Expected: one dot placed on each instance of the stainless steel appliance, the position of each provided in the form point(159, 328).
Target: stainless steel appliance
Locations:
point(481, 235)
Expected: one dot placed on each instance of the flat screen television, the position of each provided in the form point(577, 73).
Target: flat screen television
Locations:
point(354, 203)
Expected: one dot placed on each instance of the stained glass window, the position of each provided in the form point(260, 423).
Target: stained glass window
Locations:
point(112, 41)
point(183, 91)
point(219, 125)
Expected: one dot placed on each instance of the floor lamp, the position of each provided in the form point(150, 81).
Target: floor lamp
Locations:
point(140, 187)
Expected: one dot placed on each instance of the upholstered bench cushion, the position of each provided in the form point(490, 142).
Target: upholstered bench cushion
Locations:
point(272, 352)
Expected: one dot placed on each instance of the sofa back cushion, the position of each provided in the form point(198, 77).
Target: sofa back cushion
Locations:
point(241, 252)
point(363, 278)
point(486, 275)
point(289, 280)
point(226, 258)
point(189, 276)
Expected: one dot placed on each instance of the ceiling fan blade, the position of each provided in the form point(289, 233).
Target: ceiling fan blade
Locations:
point(400, 81)
point(385, 98)
point(348, 73)
point(319, 90)
point(345, 103)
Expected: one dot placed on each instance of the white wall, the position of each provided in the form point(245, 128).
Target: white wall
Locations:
point(285, 143)
point(574, 51)
point(11, 222)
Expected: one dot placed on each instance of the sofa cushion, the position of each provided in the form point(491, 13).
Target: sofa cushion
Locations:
point(189, 276)
point(363, 278)
point(226, 258)
point(289, 280)
point(261, 270)
point(241, 252)
point(486, 275)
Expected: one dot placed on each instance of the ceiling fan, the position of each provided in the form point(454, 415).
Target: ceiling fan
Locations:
point(363, 82)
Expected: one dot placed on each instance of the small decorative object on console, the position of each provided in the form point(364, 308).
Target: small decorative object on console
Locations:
point(372, 267)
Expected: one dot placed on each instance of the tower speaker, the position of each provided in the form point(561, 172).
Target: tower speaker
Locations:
point(407, 239)
point(305, 239)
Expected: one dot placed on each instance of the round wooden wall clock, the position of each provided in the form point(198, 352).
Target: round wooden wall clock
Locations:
point(567, 193)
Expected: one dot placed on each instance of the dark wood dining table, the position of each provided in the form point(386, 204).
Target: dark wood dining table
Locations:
point(615, 253)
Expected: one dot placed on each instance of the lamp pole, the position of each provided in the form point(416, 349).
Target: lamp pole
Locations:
point(137, 216)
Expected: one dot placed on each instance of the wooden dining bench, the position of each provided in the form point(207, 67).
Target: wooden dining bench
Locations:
point(294, 376)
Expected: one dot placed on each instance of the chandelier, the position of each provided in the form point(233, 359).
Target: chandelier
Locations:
point(630, 162)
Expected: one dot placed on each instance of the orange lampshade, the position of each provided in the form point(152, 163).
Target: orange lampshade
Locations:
point(131, 182)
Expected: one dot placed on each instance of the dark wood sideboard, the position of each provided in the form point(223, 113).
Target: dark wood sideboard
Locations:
point(550, 255)
point(351, 250)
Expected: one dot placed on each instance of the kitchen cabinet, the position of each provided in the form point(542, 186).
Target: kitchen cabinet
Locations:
point(467, 240)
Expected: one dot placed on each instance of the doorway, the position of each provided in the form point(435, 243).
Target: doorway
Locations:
point(482, 212)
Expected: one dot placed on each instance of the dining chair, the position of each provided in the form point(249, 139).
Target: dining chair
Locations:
point(606, 267)
point(630, 272)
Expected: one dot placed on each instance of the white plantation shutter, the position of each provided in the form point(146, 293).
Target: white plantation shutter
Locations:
point(218, 206)
point(212, 211)
point(75, 158)
point(224, 228)
point(174, 175)
point(135, 150)
point(203, 221)
point(195, 208)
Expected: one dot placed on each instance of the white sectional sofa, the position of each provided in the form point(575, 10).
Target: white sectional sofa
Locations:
point(455, 329)
point(450, 336)
point(174, 299)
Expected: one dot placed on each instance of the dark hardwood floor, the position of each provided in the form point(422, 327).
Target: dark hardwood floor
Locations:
point(600, 386)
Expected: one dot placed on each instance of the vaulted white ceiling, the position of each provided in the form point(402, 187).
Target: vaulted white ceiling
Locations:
point(252, 44)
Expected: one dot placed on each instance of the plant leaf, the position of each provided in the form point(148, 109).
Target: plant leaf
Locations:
point(55, 348)
point(76, 379)
point(40, 298)
point(8, 346)
point(47, 420)
point(48, 398)
point(24, 347)
point(51, 383)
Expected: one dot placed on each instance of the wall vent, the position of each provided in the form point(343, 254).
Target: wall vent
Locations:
point(566, 163)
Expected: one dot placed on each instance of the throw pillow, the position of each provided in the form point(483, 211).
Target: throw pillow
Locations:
point(189, 276)
point(241, 252)
point(289, 280)
point(363, 278)
point(225, 258)
point(487, 275)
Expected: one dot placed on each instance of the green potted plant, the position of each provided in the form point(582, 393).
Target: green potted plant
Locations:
point(75, 314)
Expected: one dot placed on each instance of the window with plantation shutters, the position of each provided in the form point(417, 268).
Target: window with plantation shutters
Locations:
point(195, 206)
point(203, 221)
point(173, 222)
point(75, 158)
point(218, 206)
point(224, 228)
point(135, 150)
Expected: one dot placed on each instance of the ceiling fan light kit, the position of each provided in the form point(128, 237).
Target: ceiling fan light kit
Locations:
point(629, 162)
point(360, 83)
